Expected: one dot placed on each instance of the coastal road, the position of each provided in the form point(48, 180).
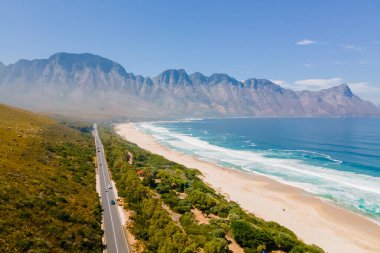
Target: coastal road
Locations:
point(113, 229)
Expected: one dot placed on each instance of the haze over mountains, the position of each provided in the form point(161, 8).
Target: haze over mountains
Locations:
point(90, 84)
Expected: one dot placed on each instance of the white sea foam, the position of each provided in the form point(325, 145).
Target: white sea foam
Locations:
point(356, 191)
point(317, 154)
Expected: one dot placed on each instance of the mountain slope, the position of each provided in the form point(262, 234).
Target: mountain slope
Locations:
point(86, 83)
point(339, 100)
point(48, 201)
point(71, 83)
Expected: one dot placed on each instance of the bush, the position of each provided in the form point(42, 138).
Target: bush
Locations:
point(217, 245)
point(202, 201)
point(248, 236)
point(285, 242)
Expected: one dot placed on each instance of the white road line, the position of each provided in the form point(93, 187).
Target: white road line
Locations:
point(109, 208)
point(113, 194)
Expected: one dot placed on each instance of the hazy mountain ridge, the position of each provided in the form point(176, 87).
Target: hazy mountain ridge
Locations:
point(86, 82)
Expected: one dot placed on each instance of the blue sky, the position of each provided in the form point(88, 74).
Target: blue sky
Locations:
point(299, 44)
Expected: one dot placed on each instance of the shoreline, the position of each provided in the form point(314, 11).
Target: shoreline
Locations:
point(313, 220)
point(324, 200)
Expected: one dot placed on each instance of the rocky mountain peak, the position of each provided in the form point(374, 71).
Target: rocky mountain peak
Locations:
point(71, 62)
point(198, 78)
point(262, 84)
point(173, 77)
point(218, 78)
point(343, 90)
point(83, 78)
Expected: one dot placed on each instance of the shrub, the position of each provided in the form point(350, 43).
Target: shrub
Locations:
point(217, 245)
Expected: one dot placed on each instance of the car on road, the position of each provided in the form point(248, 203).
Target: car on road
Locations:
point(110, 186)
point(106, 190)
point(113, 202)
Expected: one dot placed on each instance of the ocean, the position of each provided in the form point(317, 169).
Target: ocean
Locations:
point(336, 159)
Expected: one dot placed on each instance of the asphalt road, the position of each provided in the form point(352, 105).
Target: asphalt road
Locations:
point(113, 229)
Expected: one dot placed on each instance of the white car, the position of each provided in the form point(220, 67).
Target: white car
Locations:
point(110, 186)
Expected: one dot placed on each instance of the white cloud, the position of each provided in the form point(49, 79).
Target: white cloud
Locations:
point(310, 84)
point(361, 86)
point(351, 47)
point(280, 82)
point(305, 42)
point(340, 62)
point(309, 65)
point(366, 91)
point(316, 84)
point(362, 62)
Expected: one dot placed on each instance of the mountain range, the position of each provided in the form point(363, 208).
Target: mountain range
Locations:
point(88, 84)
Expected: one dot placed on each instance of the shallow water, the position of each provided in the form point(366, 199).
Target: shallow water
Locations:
point(337, 159)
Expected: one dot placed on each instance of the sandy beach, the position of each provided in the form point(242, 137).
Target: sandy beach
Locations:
point(334, 229)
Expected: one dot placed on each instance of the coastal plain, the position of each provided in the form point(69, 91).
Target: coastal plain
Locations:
point(313, 220)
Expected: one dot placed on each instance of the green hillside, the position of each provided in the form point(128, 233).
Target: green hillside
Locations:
point(48, 201)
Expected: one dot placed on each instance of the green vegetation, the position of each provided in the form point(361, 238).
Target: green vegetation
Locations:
point(166, 190)
point(48, 201)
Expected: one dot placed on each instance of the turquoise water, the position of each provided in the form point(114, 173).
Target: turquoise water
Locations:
point(337, 159)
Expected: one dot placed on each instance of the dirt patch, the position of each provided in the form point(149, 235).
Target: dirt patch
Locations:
point(199, 217)
point(135, 244)
point(181, 195)
point(233, 246)
point(130, 157)
point(127, 214)
point(175, 216)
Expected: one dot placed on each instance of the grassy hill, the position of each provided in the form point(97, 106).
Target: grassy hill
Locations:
point(48, 201)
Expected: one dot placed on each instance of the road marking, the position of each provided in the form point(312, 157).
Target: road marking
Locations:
point(109, 208)
point(113, 195)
